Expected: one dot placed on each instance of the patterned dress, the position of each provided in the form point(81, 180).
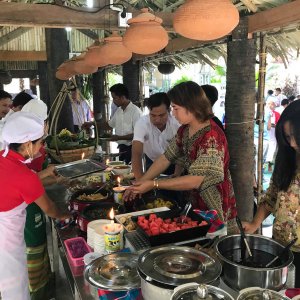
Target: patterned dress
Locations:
point(285, 205)
point(206, 154)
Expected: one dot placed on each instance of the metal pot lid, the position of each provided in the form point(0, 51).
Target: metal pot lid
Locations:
point(175, 265)
point(198, 292)
point(260, 294)
point(114, 272)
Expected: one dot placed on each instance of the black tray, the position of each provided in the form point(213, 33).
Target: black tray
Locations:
point(175, 236)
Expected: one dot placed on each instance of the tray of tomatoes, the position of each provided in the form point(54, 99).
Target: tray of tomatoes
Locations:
point(168, 227)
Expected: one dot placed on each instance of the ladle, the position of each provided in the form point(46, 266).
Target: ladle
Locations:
point(239, 223)
point(284, 250)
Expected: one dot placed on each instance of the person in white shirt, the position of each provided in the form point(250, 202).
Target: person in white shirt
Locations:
point(80, 109)
point(279, 96)
point(152, 134)
point(123, 120)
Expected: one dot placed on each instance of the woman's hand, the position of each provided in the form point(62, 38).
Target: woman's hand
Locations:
point(141, 187)
point(249, 227)
point(129, 195)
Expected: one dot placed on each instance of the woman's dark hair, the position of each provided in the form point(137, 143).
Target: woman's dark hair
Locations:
point(190, 95)
point(158, 99)
point(16, 146)
point(285, 162)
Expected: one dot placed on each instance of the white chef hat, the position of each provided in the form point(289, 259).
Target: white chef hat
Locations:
point(21, 127)
point(37, 107)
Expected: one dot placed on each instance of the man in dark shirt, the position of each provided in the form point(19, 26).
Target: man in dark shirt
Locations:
point(212, 95)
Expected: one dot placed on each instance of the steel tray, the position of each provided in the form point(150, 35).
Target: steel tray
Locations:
point(79, 168)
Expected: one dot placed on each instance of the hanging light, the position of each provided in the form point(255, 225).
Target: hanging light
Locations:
point(114, 51)
point(80, 66)
point(166, 67)
point(205, 20)
point(145, 34)
point(94, 56)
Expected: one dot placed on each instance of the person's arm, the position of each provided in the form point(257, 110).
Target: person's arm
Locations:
point(158, 166)
point(261, 214)
point(127, 137)
point(182, 183)
point(178, 170)
point(50, 209)
point(48, 172)
point(137, 159)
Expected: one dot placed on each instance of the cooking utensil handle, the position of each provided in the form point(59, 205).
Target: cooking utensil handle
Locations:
point(239, 223)
point(286, 248)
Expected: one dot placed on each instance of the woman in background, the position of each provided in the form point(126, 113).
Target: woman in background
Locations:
point(283, 195)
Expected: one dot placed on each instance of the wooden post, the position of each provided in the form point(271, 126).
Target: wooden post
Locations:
point(131, 78)
point(43, 82)
point(57, 52)
point(260, 112)
point(239, 111)
point(98, 97)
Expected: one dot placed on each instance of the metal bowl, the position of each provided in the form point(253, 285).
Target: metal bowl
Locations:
point(240, 271)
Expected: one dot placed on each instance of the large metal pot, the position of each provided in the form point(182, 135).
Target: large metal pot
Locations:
point(240, 273)
point(163, 268)
point(194, 291)
point(260, 294)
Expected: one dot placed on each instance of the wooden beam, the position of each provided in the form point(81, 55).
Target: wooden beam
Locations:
point(54, 16)
point(276, 17)
point(23, 56)
point(90, 33)
point(13, 35)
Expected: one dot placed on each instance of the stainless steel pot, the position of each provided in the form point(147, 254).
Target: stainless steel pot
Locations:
point(236, 273)
point(194, 291)
point(163, 268)
point(260, 294)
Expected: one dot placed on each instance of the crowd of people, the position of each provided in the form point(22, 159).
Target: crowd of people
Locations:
point(179, 137)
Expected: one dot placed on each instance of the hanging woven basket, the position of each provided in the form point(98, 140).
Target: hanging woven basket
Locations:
point(78, 151)
point(65, 156)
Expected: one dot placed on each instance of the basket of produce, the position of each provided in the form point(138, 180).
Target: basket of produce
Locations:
point(67, 146)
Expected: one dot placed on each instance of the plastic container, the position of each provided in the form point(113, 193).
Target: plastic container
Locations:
point(76, 249)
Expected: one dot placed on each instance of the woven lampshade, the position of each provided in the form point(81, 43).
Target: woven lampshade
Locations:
point(63, 72)
point(94, 56)
point(114, 51)
point(205, 20)
point(80, 66)
point(145, 34)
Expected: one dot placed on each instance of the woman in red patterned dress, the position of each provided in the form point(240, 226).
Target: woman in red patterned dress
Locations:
point(200, 147)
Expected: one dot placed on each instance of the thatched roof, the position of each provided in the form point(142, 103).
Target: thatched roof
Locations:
point(280, 41)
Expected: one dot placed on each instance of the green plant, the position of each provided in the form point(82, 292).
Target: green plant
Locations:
point(183, 78)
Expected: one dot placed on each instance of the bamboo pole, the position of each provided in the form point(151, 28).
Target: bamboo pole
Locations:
point(260, 113)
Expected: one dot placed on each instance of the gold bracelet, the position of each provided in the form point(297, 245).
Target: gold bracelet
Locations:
point(155, 184)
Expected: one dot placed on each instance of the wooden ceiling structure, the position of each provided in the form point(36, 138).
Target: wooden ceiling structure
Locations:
point(22, 23)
